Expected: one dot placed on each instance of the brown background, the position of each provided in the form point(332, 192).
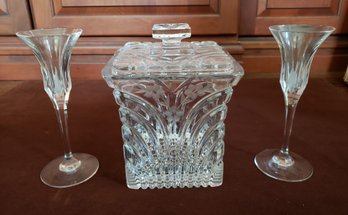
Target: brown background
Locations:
point(240, 26)
point(29, 135)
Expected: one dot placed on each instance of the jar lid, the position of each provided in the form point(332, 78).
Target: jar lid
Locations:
point(171, 58)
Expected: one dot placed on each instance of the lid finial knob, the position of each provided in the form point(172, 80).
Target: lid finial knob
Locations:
point(171, 34)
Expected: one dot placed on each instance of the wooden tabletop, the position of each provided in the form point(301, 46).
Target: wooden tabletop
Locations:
point(29, 139)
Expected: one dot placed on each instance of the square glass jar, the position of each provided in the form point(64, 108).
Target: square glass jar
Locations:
point(172, 97)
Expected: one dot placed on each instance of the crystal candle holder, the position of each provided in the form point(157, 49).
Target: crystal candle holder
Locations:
point(52, 48)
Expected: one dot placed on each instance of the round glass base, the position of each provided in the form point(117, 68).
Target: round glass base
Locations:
point(269, 163)
point(53, 177)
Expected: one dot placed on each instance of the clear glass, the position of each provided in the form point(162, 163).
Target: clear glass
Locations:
point(52, 48)
point(172, 97)
point(298, 44)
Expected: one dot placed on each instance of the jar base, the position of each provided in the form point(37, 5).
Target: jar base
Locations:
point(189, 180)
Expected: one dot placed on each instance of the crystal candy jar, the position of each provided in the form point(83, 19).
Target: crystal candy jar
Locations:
point(172, 97)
